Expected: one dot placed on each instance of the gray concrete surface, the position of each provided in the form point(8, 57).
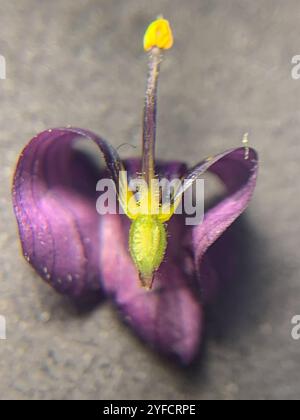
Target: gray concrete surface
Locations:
point(81, 63)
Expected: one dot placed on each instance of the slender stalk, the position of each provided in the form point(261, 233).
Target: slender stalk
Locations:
point(149, 118)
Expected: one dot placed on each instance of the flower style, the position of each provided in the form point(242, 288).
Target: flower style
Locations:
point(149, 262)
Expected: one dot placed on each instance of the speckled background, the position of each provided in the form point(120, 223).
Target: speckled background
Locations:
point(81, 63)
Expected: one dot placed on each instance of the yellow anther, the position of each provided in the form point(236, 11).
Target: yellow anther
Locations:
point(158, 34)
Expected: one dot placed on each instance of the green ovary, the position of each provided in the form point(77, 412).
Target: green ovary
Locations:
point(147, 244)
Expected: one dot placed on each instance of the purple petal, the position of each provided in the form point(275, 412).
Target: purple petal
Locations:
point(169, 317)
point(54, 201)
point(239, 176)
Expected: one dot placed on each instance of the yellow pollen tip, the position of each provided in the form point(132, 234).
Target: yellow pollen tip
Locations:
point(158, 34)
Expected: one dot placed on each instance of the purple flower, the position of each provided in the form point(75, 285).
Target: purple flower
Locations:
point(77, 251)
